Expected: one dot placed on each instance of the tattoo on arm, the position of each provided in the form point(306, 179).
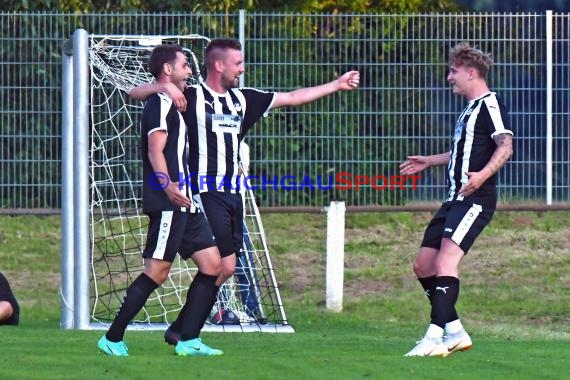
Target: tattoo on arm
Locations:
point(502, 154)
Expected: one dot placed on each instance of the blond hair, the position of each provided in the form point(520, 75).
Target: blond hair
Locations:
point(464, 54)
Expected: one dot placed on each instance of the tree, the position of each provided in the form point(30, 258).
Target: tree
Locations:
point(326, 6)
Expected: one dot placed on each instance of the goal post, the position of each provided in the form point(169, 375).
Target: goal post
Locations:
point(103, 227)
point(75, 184)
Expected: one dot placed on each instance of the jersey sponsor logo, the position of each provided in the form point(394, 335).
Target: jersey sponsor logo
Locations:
point(226, 123)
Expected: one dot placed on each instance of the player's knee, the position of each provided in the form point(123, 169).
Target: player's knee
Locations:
point(420, 270)
point(213, 268)
point(157, 274)
point(6, 310)
point(217, 267)
point(227, 272)
point(159, 277)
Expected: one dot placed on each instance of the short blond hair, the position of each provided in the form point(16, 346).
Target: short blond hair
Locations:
point(464, 54)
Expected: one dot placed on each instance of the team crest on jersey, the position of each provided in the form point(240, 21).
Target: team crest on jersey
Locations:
point(237, 106)
point(226, 123)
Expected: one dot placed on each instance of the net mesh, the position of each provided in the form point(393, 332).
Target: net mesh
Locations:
point(118, 227)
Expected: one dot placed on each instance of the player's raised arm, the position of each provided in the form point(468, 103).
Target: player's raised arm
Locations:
point(347, 82)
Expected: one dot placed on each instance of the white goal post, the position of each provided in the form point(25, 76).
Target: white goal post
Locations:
point(103, 227)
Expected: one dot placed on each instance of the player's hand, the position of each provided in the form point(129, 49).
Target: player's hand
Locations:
point(175, 196)
point(414, 164)
point(476, 179)
point(176, 95)
point(349, 81)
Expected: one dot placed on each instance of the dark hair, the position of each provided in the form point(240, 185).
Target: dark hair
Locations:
point(160, 55)
point(464, 54)
point(216, 49)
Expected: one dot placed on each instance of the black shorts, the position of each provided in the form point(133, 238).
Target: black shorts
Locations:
point(225, 215)
point(461, 222)
point(171, 232)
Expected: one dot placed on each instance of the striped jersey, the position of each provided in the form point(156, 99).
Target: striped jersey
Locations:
point(473, 145)
point(160, 114)
point(217, 124)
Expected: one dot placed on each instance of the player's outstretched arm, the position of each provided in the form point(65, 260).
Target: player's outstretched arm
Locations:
point(347, 82)
point(145, 90)
point(416, 164)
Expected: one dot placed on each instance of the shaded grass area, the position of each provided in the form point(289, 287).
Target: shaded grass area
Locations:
point(513, 301)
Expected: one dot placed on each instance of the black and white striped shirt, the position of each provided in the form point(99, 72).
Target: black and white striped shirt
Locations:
point(473, 145)
point(160, 114)
point(217, 123)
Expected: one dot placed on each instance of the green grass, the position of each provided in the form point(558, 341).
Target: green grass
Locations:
point(513, 302)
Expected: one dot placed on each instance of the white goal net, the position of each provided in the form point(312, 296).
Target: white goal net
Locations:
point(117, 225)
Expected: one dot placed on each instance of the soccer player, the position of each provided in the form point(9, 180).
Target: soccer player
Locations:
point(9, 308)
point(482, 144)
point(218, 115)
point(176, 224)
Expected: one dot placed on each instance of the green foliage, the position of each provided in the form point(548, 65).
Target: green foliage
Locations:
point(71, 6)
point(326, 6)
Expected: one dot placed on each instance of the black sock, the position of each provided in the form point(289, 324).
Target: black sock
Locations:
point(176, 326)
point(443, 299)
point(135, 298)
point(199, 301)
point(428, 283)
point(213, 300)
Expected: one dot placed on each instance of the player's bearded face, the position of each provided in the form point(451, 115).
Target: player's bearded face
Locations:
point(233, 68)
point(181, 71)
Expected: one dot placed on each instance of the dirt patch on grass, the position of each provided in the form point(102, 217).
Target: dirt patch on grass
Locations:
point(379, 258)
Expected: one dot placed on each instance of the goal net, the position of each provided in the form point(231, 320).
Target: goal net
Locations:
point(249, 301)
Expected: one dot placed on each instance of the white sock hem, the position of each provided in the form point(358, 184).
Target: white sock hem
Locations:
point(454, 327)
point(434, 332)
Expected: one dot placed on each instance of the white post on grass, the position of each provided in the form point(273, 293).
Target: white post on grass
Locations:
point(549, 70)
point(335, 255)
